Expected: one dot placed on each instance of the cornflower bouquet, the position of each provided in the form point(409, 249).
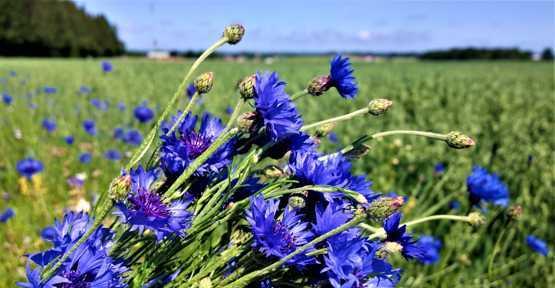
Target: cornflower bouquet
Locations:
point(247, 203)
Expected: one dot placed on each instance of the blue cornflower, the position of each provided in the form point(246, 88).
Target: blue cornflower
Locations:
point(119, 133)
point(228, 110)
point(85, 158)
point(487, 187)
point(454, 205)
point(144, 209)
point(76, 181)
point(7, 99)
point(295, 143)
point(7, 215)
point(121, 106)
point(143, 113)
point(331, 217)
point(278, 237)
point(49, 90)
point(439, 168)
point(34, 280)
point(333, 138)
point(191, 90)
point(409, 247)
point(431, 247)
point(49, 125)
point(274, 108)
point(84, 89)
point(537, 245)
point(101, 105)
point(112, 154)
point(310, 168)
point(341, 77)
point(90, 127)
point(133, 137)
point(179, 150)
point(106, 66)
point(29, 167)
point(69, 139)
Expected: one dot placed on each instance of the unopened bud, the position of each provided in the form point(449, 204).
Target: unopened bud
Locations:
point(296, 202)
point(515, 212)
point(245, 122)
point(318, 85)
point(383, 207)
point(378, 107)
point(120, 187)
point(246, 87)
point(458, 140)
point(324, 130)
point(273, 172)
point(476, 219)
point(205, 283)
point(389, 248)
point(234, 33)
point(358, 151)
point(239, 237)
point(204, 82)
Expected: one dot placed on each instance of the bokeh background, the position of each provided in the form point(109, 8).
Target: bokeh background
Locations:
point(482, 67)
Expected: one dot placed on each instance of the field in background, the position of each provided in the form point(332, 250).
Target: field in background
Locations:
point(507, 107)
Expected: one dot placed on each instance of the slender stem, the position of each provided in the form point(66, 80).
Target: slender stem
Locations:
point(221, 140)
point(370, 228)
point(184, 113)
point(139, 153)
point(438, 217)
point(336, 119)
point(246, 279)
point(410, 132)
point(299, 94)
point(235, 114)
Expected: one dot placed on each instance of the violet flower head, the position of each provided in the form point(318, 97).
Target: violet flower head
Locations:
point(487, 187)
point(29, 167)
point(341, 77)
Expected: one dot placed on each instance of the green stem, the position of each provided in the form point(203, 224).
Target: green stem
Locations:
point(246, 279)
point(221, 140)
point(432, 135)
point(496, 249)
point(235, 114)
point(139, 153)
point(184, 113)
point(299, 94)
point(336, 119)
point(369, 228)
point(438, 217)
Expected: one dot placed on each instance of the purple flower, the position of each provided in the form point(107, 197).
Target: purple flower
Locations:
point(6, 215)
point(537, 245)
point(333, 138)
point(395, 233)
point(133, 137)
point(484, 186)
point(90, 127)
point(49, 90)
point(144, 209)
point(101, 105)
point(278, 236)
point(85, 158)
point(112, 154)
point(49, 125)
point(85, 89)
point(7, 99)
point(29, 167)
point(143, 113)
point(121, 106)
point(341, 77)
point(106, 66)
point(431, 247)
point(119, 133)
point(69, 139)
point(191, 90)
point(439, 168)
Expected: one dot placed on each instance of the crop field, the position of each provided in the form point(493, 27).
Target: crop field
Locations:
point(507, 107)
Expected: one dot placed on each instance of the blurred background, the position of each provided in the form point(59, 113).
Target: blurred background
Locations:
point(78, 77)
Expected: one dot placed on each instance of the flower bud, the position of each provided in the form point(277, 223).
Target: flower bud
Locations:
point(245, 122)
point(358, 151)
point(476, 219)
point(239, 237)
point(383, 207)
point(205, 283)
point(204, 82)
point(234, 33)
point(378, 107)
point(389, 248)
point(324, 130)
point(246, 87)
point(515, 212)
point(273, 172)
point(458, 140)
point(318, 85)
point(120, 187)
point(296, 202)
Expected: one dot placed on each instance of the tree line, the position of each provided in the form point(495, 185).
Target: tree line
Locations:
point(54, 29)
point(484, 54)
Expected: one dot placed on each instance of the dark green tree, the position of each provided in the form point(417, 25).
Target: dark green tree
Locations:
point(547, 54)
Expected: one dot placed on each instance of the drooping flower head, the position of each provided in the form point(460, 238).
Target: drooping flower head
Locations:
point(431, 247)
point(278, 236)
point(143, 113)
point(49, 125)
point(274, 109)
point(90, 127)
point(29, 167)
point(537, 245)
point(341, 74)
point(144, 208)
point(183, 146)
point(487, 187)
point(398, 236)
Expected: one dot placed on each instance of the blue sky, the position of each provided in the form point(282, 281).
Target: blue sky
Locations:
point(320, 26)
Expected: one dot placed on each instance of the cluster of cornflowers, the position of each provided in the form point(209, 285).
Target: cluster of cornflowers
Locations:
point(247, 201)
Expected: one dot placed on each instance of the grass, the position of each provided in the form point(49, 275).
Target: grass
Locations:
point(507, 107)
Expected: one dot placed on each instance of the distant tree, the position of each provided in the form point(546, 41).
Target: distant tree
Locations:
point(547, 54)
point(477, 54)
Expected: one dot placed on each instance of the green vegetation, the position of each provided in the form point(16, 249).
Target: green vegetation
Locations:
point(507, 107)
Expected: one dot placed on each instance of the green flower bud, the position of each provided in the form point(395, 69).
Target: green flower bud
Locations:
point(246, 87)
point(245, 122)
point(324, 130)
point(239, 237)
point(273, 172)
point(458, 140)
point(476, 219)
point(515, 212)
point(358, 151)
point(234, 33)
point(205, 283)
point(318, 85)
point(296, 202)
point(383, 207)
point(378, 107)
point(120, 187)
point(204, 82)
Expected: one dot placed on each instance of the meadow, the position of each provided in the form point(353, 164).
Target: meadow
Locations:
point(508, 107)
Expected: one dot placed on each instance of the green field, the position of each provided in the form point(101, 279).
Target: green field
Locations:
point(507, 107)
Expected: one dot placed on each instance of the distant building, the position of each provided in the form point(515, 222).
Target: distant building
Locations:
point(158, 55)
